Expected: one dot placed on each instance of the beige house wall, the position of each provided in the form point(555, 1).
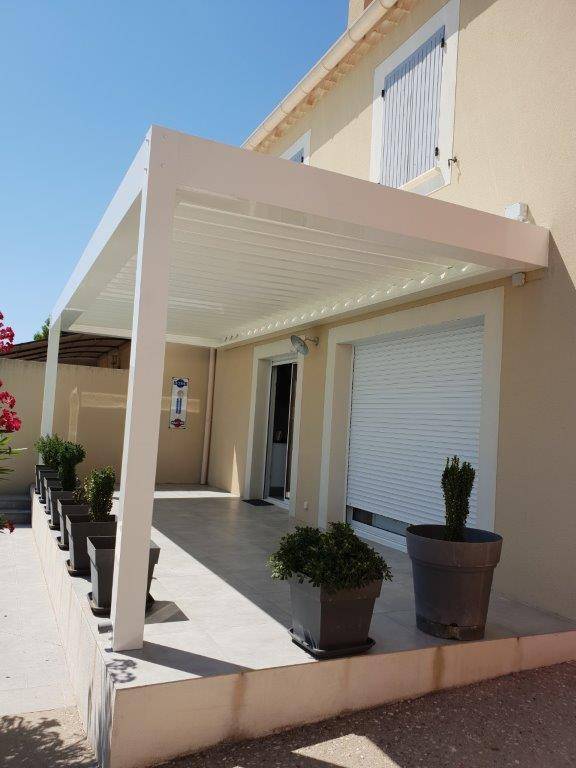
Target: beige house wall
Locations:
point(91, 406)
point(514, 140)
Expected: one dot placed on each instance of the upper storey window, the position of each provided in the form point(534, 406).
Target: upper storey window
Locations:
point(414, 108)
point(299, 152)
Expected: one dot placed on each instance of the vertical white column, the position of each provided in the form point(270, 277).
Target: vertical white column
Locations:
point(143, 407)
point(50, 377)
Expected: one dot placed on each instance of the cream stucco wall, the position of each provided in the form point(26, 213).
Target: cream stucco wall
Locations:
point(91, 406)
point(514, 139)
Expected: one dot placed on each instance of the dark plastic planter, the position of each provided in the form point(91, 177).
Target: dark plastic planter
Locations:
point(101, 555)
point(64, 509)
point(331, 624)
point(52, 484)
point(79, 528)
point(452, 580)
point(37, 477)
point(55, 497)
point(42, 473)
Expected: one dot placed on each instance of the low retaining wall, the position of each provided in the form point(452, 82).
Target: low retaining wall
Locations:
point(132, 725)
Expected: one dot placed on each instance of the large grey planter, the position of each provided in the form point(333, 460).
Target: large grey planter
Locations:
point(49, 484)
point(331, 624)
point(55, 496)
point(52, 484)
point(37, 476)
point(452, 580)
point(66, 508)
point(42, 473)
point(101, 555)
point(79, 528)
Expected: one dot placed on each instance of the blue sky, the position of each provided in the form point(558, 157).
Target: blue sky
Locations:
point(82, 81)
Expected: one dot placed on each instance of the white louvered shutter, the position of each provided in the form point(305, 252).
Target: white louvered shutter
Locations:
point(411, 114)
point(416, 400)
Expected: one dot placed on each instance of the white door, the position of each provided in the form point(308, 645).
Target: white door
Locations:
point(416, 399)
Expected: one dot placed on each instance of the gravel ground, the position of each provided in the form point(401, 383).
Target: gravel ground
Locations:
point(527, 719)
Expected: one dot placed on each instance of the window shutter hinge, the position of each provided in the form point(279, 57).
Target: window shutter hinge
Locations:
point(383, 92)
point(436, 151)
point(443, 43)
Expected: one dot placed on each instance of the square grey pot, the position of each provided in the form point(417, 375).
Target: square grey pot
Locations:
point(64, 509)
point(79, 528)
point(37, 477)
point(101, 554)
point(55, 497)
point(42, 474)
point(52, 484)
point(332, 624)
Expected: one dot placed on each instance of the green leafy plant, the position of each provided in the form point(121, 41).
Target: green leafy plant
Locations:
point(70, 455)
point(49, 446)
point(457, 482)
point(99, 488)
point(335, 559)
point(79, 495)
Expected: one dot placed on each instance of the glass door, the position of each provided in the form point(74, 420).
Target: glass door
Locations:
point(280, 433)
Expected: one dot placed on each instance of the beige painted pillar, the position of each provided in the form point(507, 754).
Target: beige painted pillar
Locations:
point(143, 406)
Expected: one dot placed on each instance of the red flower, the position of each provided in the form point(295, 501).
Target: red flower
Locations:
point(9, 421)
point(7, 398)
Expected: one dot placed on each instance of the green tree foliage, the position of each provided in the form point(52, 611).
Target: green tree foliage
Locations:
point(71, 454)
point(42, 334)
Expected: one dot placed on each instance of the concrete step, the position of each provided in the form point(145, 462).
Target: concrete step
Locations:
point(18, 516)
point(14, 501)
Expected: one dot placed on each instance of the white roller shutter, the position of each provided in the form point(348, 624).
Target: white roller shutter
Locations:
point(416, 399)
point(411, 114)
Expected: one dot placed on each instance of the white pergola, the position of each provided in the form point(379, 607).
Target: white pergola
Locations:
point(212, 245)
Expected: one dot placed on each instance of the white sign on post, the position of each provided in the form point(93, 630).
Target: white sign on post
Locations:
point(178, 404)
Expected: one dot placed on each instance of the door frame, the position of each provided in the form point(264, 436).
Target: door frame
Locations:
point(285, 502)
point(338, 389)
point(264, 356)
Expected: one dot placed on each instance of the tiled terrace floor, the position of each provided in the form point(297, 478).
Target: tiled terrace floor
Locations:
point(218, 611)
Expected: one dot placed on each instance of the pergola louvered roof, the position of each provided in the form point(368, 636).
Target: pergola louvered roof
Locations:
point(260, 245)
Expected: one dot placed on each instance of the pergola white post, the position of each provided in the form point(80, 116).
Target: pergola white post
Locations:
point(143, 405)
point(50, 377)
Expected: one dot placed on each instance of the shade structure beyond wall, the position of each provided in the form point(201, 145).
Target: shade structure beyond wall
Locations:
point(90, 409)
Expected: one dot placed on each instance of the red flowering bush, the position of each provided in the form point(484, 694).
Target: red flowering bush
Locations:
point(6, 336)
point(9, 419)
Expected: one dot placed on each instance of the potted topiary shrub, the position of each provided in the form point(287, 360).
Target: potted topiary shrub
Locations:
point(101, 555)
point(453, 565)
point(334, 579)
point(77, 505)
point(49, 447)
point(99, 489)
point(71, 454)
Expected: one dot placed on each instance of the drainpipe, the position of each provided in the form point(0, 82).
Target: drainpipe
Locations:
point(374, 13)
point(208, 420)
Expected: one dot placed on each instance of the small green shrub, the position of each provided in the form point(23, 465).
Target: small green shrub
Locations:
point(71, 454)
point(335, 559)
point(457, 482)
point(80, 494)
point(49, 446)
point(99, 488)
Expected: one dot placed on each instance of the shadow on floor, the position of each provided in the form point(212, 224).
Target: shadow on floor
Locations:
point(44, 740)
point(185, 661)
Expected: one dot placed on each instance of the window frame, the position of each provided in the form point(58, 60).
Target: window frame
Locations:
point(302, 144)
point(439, 176)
